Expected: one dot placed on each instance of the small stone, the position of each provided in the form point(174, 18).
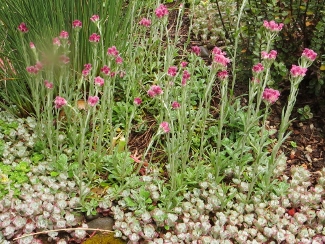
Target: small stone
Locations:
point(105, 223)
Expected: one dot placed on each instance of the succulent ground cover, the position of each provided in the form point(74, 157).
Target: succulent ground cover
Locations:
point(158, 138)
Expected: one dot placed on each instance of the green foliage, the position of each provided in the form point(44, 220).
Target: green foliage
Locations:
point(15, 90)
point(12, 177)
point(305, 113)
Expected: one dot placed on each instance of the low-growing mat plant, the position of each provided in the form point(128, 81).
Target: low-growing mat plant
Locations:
point(203, 177)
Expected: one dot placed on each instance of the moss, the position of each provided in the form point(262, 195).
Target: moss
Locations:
point(104, 239)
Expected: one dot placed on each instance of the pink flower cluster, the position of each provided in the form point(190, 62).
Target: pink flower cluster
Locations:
point(219, 57)
point(271, 55)
point(76, 24)
point(86, 70)
point(184, 64)
point(56, 41)
point(145, 22)
point(99, 81)
point(94, 18)
point(34, 69)
point(64, 59)
point(137, 101)
point(59, 102)
point(257, 68)
point(106, 70)
point(165, 126)
point(161, 11)
point(172, 71)
point(48, 85)
point(119, 60)
point(186, 76)
point(94, 37)
point(272, 26)
point(223, 75)
point(154, 91)
point(270, 95)
point(196, 50)
point(64, 35)
point(93, 100)
point(175, 105)
point(298, 71)
point(112, 51)
point(23, 28)
point(309, 54)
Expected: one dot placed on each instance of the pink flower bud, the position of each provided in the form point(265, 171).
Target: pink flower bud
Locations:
point(298, 71)
point(196, 50)
point(94, 18)
point(56, 41)
point(137, 101)
point(23, 28)
point(64, 35)
point(94, 37)
point(309, 54)
point(76, 24)
point(184, 64)
point(31, 45)
point(99, 81)
point(106, 70)
point(175, 105)
point(93, 100)
point(172, 71)
point(59, 102)
point(165, 127)
point(119, 60)
point(257, 68)
point(272, 26)
point(112, 51)
point(161, 11)
point(48, 85)
point(145, 22)
point(270, 95)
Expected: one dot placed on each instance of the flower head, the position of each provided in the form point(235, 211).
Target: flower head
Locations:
point(185, 77)
point(23, 28)
point(106, 70)
point(59, 102)
point(48, 85)
point(257, 68)
point(196, 50)
point(64, 35)
point(272, 26)
point(112, 51)
point(137, 101)
point(32, 45)
point(145, 22)
point(223, 74)
point(154, 91)
point(218, 51)
point(93, 100)
point(94, 37)
point(270, 95)
point(175, 105)
point(309, 54)
point(271, 55)
point(165, 126)
point(76, 24)
point(64, 59)
point(99, 81)
point(298, 71)
point(221, 60)
point(119, 60)
point(172, 71)
point(94, 18)
point(184, 64)
point(161, 11)
point(32, 69)
point(56, 41)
